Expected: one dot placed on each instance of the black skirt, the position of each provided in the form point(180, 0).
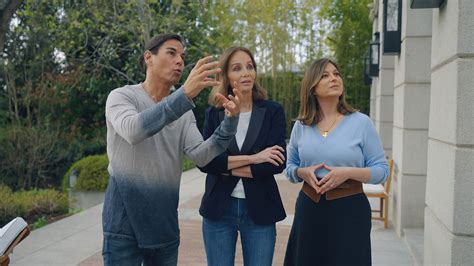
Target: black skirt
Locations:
point(331, 232)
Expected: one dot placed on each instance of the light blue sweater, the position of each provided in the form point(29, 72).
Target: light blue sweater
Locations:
point(354, 142)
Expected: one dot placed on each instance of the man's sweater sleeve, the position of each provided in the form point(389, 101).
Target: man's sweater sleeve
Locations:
point(202, 152)
point(135, 126)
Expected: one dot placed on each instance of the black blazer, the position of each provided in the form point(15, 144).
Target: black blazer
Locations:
point(267, 128)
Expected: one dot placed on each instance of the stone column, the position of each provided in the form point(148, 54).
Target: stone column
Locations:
point(384, 103)
point(381, 94)
point(372, 102)
point(411, 116)
point(449, 212)
point(373, 87)
point(384, 93)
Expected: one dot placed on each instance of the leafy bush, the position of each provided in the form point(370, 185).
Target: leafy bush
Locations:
point(92, 174)
point(32, 156)
point(31, 204)
point(188, 164)
point(42, 221)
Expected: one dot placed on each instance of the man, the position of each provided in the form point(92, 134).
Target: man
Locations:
point(149, 130)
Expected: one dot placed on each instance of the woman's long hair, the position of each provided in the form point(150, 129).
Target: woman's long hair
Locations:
point(258, 92)
point(310, 110)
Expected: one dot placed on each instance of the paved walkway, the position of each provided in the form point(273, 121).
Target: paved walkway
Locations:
point(77, 240)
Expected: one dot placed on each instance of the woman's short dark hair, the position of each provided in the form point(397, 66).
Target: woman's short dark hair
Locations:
point(154, 44)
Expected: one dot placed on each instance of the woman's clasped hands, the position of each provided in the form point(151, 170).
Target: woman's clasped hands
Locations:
point(335, 177)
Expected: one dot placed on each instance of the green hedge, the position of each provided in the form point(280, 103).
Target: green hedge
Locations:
point(31, 204)
point(187, 164)
point(92, 173)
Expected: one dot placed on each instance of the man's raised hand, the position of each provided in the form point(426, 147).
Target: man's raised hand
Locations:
point(199, 78)
point(232, 103)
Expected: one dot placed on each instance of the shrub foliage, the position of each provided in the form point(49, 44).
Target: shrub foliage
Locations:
point(31, 204)
point(92, 174)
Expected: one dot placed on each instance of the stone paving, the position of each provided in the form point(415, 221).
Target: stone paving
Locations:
point(77, 240)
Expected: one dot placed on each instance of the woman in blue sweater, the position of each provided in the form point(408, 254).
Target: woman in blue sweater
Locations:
point(241, 193)
point(333, 149)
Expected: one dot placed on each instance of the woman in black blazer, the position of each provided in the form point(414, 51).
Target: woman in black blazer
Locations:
point(241, 192)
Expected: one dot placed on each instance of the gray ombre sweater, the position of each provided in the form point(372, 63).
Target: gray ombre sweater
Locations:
point(146, 142)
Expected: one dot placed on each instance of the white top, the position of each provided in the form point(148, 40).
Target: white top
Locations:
point(242, 128)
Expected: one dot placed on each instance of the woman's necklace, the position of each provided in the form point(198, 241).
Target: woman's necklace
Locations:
point(325, 133)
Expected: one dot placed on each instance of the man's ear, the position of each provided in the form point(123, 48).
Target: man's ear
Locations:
point(147, 57)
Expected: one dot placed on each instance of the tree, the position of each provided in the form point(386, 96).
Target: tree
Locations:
point(7, 9)
point(349, 36)
point(61, 61)
point(62, 58)
point(283, 35)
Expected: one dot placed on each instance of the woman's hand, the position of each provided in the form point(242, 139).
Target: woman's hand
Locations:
point(335, 177)
point(309, 176)
point(273, 155)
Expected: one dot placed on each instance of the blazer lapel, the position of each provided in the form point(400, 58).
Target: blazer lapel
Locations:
point(256, 121)
point(233, 148)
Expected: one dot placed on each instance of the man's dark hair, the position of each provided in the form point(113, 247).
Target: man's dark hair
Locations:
point(154, 44)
